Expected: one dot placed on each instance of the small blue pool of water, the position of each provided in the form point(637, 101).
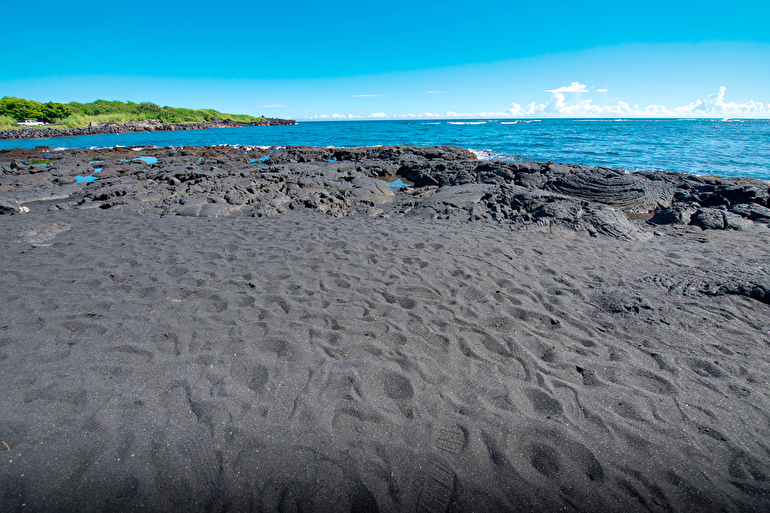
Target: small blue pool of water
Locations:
point(397, 184)
point(146, 160)
point(96, 162)
point(262, 161)
point(89, 178)
point(251, 161)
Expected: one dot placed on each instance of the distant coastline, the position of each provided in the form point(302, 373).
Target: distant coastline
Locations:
point(150, 125)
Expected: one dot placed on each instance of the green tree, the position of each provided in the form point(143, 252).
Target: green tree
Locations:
point(148, 110)
point(20, 109)
point(54, 111)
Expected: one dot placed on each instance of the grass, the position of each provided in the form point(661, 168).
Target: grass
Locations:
point(7, 122)
point(77, 120)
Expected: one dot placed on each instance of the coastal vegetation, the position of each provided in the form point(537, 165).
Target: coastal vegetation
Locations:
point(7, 122)
point(75, 114)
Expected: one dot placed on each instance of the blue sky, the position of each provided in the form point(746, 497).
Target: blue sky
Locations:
point(341, 59)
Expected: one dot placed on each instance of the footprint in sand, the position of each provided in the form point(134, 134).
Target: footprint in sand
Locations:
point(44, 232)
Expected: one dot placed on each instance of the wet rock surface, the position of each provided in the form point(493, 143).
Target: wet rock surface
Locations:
point(445, 183)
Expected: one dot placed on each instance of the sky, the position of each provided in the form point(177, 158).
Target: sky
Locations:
point(327, 60)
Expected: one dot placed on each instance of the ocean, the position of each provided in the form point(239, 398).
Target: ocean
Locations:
point(723, 147)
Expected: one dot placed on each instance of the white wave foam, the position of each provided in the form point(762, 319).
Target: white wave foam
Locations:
point(467, 122)
point(490, 155)
point(479, 154)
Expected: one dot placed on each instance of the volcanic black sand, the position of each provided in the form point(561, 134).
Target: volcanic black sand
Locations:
point(215, 332)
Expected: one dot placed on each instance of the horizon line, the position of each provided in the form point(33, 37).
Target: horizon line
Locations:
point(541, 118)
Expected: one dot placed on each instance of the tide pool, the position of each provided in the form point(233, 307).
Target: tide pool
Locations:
point(397, 184)
point(89, 178)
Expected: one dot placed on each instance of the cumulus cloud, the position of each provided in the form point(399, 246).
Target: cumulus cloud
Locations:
point(344, 116)
point(601, 90)
point(452, 114)
point(377, 115)
point(713, 106)
point(574, 87)
point(423, 115)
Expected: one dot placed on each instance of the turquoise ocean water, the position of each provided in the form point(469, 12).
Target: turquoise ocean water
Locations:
point(702, 146)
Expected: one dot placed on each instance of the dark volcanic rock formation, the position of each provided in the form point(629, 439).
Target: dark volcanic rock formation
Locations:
point(629, 191)
point(447, 183)
point(150, 125)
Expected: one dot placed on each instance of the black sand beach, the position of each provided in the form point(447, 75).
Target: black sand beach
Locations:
point(208, 333)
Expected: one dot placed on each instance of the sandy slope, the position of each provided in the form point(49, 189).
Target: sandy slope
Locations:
point(304, 363)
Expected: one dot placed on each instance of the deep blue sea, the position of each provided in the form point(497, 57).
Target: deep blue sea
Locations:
point(701, 146)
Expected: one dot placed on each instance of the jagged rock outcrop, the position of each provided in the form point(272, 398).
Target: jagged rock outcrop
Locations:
point(447, 183)
point(714, 203)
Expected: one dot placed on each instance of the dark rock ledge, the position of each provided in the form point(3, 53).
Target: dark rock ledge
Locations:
point(448, 183)
point(132, 126)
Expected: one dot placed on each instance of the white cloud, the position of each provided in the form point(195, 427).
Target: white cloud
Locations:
point(438, 92)
point(558, 106)
point(366, 95)
point(713, 106)
point(273, 106)
point(574, 87)
point(601, 90)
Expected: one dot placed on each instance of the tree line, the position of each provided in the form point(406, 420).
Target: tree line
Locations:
point(52, 112)
point(21, 109)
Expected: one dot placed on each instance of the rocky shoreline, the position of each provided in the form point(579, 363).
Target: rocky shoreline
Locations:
point(150, 125)
point(444, 182)
point(440, 183)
